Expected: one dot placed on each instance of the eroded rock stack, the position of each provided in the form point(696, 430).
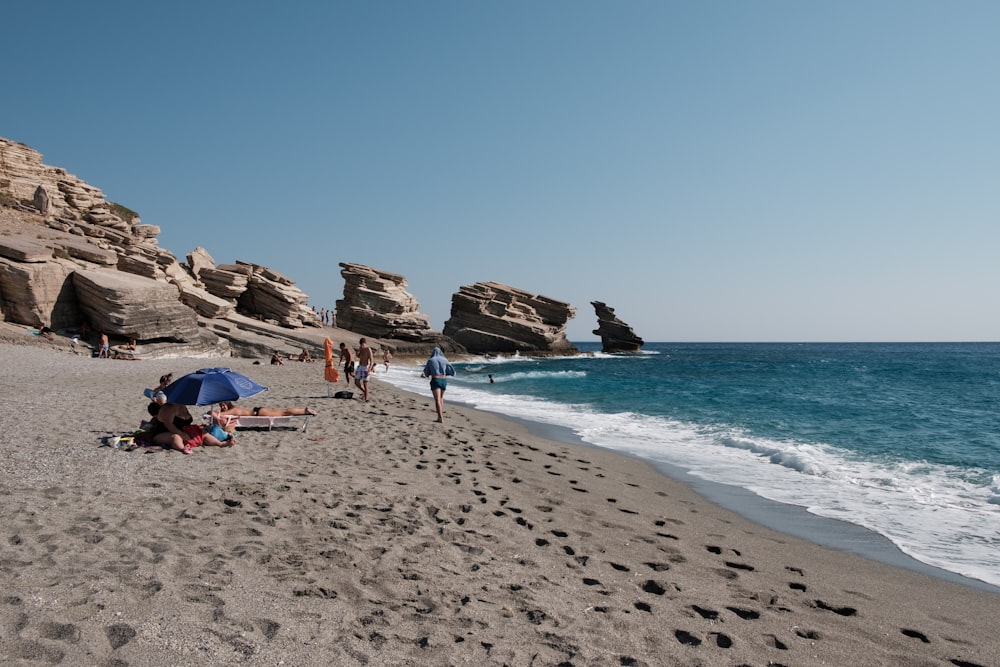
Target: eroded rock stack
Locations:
point(377, 304)
point(616, 336)
point(491, 317)
point(255, 290)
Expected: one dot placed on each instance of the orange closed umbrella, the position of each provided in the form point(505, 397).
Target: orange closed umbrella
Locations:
point(329, 370)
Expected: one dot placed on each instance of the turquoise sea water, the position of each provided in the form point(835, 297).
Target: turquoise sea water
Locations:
point(903, 439)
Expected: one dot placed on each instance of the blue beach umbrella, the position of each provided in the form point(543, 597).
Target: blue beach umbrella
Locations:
point(211, 385)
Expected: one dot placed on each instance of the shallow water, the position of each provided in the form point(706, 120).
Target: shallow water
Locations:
point(903, 439)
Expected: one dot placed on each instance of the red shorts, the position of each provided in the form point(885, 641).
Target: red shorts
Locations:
point(195, 435)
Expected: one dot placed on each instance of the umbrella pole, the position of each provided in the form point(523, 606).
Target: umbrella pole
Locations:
point(328, 386)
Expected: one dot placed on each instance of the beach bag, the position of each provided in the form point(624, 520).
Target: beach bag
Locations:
point(344, 394)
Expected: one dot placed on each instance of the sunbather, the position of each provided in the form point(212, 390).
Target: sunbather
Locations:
point(230, 409)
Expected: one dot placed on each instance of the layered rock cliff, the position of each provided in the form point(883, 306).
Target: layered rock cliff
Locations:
point(616, 336)
point(490, 317)
point(70, 260)
point(377, 304)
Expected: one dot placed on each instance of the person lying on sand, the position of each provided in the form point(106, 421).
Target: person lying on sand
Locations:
point(229, 408)
point(173, 427)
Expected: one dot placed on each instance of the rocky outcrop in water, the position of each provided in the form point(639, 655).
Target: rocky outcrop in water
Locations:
point(616, 336)
point(490, 317)
point(377, 304)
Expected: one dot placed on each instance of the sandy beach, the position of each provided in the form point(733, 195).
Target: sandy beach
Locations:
point(378, 537)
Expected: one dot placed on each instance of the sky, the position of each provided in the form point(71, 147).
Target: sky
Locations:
point(766, 170)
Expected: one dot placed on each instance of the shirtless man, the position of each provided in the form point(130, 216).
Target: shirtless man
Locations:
point(105, 352)
point(345, 356)
point(366, 362)
point(386, 358)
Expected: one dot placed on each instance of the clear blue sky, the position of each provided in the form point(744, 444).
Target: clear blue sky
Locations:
point(716, 171)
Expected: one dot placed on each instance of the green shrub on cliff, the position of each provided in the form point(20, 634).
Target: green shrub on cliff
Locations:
point(126, 214)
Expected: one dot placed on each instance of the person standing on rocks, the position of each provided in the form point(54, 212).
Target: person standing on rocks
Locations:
point(438, 368)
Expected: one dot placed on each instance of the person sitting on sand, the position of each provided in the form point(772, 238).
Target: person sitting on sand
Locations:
point(305, 356)
point(276, 359)
point(157, 395)
point(233, 410)
point(173, 427)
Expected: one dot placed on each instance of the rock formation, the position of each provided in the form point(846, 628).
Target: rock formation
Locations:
point(68, 257)
point(377, 304)
point(490, 317)
point(127, 305)
point(616, 336)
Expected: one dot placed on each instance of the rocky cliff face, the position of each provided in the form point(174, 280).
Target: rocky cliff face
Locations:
point(616, 336)
point(377, 304)
point(490, 317)
point(70, 257)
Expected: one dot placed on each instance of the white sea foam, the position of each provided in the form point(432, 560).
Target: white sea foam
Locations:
point(932, 512)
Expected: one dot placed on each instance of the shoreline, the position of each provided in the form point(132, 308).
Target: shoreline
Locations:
point(380, 537)
point(792, 520)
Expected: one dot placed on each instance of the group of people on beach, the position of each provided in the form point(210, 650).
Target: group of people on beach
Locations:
point(172, 426)
point(359, 364)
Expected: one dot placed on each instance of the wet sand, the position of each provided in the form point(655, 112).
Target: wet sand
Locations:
point(379, 537)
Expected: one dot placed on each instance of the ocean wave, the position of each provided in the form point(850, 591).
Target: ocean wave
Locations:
point(935, 513)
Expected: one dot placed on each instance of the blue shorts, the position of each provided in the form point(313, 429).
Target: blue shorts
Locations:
point(439, 383)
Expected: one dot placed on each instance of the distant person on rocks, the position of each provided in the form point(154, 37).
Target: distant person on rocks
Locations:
point(346, 357)
point(366, 362)
point(105, 351)
point(438, 368)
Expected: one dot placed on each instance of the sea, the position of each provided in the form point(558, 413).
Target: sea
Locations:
point(902, 439)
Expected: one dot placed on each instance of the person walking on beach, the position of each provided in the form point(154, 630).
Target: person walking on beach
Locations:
point(386, 358)
point(438, 368)
point(345, 356)
point(366, 362)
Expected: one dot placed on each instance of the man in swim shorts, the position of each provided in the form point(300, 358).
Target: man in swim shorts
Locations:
point(366, 361)
point(345, 356)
